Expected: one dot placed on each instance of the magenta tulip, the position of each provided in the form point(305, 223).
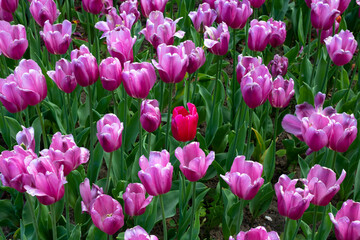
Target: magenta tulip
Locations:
point(63, 76)
point(148, 6)
point(233, 12)
point(9, 5)
point(134, 199)
point(341, 47)
point(88, 194)
point(57, 37)
point(150, 116)
point(43, 10)
point(245, 65)
point(204, 16)
point(195, 55)
point(13, 41)
point(343, 5)
point(278, 66)
point(281, 92)
point(109, 132)
point(257, 3)
point(258, 233)
point(323, 13)
point(259, 35)
point(156, 173)
point(138, 233)
point(184, 123)
point(11, 95)
point(85, 66)
point(210, 2)
point(96, 6)
point(110, 73)
point(328, 33)
point(217, 40)
point(278, 32)
point(130, 7)
point(6, 16)
point(26, 138)
point(344, 131)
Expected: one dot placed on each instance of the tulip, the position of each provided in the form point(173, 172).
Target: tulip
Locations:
point(256, 86)
point(96, 6)
point(109, 132)
point(258, 233)
point(156, 173)
point(234, 13)
point(110, 73)
point(210, 2)
point(13, 168)
point(9, 5)
point(259, 35)
point(343, 5)
point(26, 138)
point(329, 32)
point(134, 199)
point(130, 7)
point(57, 37)
point(106, 214)
point(85, 66)
point(150, 116)
point(184, 123)
point(148, 6)
point(172, 63)
point(347, 221)
point(195, 55)
point(244, 178)
point(13, 42)
point(89, 195)
point(341, 47)
point(63, 76)
point(256, 3)
point(278, 32)
point(282, 92)
point(344, 131)
point(11, 95)
point(138, 79)
point(217, 40)
point(193, 162)
point(278, 66)
point(138, 233)
point(43, 10)
point(205, 16)
point(5, 15)
point(161, 30)
point(245, 65)
point(292, 201)
point(323, 13)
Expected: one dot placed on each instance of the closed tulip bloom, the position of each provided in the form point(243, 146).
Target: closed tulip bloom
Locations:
point(278, 32)
point(281, 92)
point(343, 5)
point(184, 123)
point(195, 55)
point(11, 95)
point(344, 131)
point(172, 64)
point(258, 233)
point(96, 6)
point(148, 6)
point(323, 13)
point(88, 194)
point(245, 65)
point(43, 10)
point(109, 132)
point(26, 138)
point(5, 15)
point(256, 86)
point(130, 7)
point(244, 178)
point(9, 5)
point(292, 201)
point(259, 35)
point(347, 221)
point(205, 16)
point(150, 116)
point(233, 12)
point(110, 73)
point(217, 40)
point(257, 3)
point(85, 66)
point(278, 65)
point(107, 214)
point(13, 168)
point(156, 173)
point(341, 47)
point(193, 162)
point(120, 44)
point(63, 76)
point(160, 30)
point(13, 42)
point(138, 233)
point(210, 2)
point(134, 199)
point(57, 37)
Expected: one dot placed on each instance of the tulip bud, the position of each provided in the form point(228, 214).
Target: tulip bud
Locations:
point(43, 10)
point(110, 73)
point(9, 5)
point(57, 37)
point(109, 132)
point(205, 16)
point(257, 3)
point(26, 138)
point(138, 233)
point(184, 123)
point(259, 35)
point(323, 13)
point(134, 199)
point(344, 131)
point(217, 40)
point(278, 66)
point(278, 32)
point(245, 65)
point(282, 92)
point(150, 116)
point(96, 6)
point(148, 6)
point(341, 47)
point(13, 41)
point(85, 66)
point(233, 12)
point(63, 76)
point(196, 56)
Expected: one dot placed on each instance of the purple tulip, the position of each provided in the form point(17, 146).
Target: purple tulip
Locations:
point(150, 116)
point(109, 132)
point(323, 13)
point(257, 3)
point(26, 138)
point(85, 66)
point(9, 5)
point(278, 32)
point(88, 195)
point(347, 221)
point(281, 92)
point(156, 173)
point(195, 55)
point(210, 2)
point(134, 199)
point(96, 6)
point(341, 47)
point(5, 15)
point(130, 7)
point(258, 233)
point(344, 131)
point(278, 66)
point(138, 233)
point(161, 30)
point(256, 86)
point(244, 178)
point(217, 40)
point(110, 73)
point(172, 63)
point(259, 35)
point(329, 32)
point(193, 162)
point(292, 201)
point(107, 214)
point(43, 10)
point(63, 76)
point(13, 42)
point(233, 12)
point(343, 5)
point(57, 37)
point(11, 95)
point(148, 6)
point(205, 16)
point(13, 168)
point(245, 65)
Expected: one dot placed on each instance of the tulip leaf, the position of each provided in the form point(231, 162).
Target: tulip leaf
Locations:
point(76, 233)
point(7, 214)
point(228, 223)
point(207, 99)
point(213, 124)
point(304, 167)
point(320, 74)
point(301, 28)
point(261, 202)
point(171, 199)
point(5, 130)
point(95, 163)
point(13, 125)
point(306, 95)
point(132, 130)
point(221, 138)
point(305, 71)
point(325, 226)
point(95, 234)
point(269, 162)
point(292, 53)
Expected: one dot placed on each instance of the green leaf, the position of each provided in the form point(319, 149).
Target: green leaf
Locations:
point(95, 163)
point(269, 162)
point(7, 214)
point(75, 233)
point(306, 95)
point(304, 167)
point(320, 74)
point(171, 199)
point(305, 71)
point(95, 234)
point(261, 202)
point(301, 29)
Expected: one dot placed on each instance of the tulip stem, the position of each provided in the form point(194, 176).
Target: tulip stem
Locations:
point(161, 95)
point(149, 143)
point(240, 216)
point(246, 36)
point(297, 229)
point(249, 134)
point(187, 83)
point(27, 117)
point(67, 109)
point(123, 145)
point(233, 83)
point(72, 128)
point(194, 87)
point(333, 161)
point(167, 145)
point(286, 227)
point(42, 125)
point(67, 210)
point(115, 103)
point(309, 35)
point(108, 174)
point(193, 210)
point(140, 130)
point(163, 216)
point(314, 222)
point(88, 29)
point(21, 118)
point(32, 212)
point(317, 58)
point(91, 136)
point(274, 142)
point(326, 74)
point(53, 221)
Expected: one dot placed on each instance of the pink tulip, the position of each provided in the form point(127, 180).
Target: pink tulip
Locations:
point(278, 66)
point(109, 132)
point(195, 55)
point(161, 30)
point(89, 195)
point(138, 79)
point(205, 16)
point(5, 15)
point(328, 33)
point(341, 47)
point(282, 92)
point(278, 32)
point(258, 233)
point(134, 199)
point(292, 201)
point(85, 66)
point(148, 6)
point(217, 40)
point(210, 2)
point(138, 233)
point(257, 3)
point(96, 6)
point(150, 116)
point(156, 173)
point(13, 42)
point(57, 37)
point(43, 10)
point(233, 12)
point(245, 65)
point(110, 73)
point(107, 214)
point(259, 35)
point(193, 162)
point(26, 138)
point(343, 5)
point(244, 178)
point(184, 123)
point(344, 131)
point(172, 63)
point(9, 5)
point(347, 221)
point(11, 95)
point(63, 76)
point(323, 13)
point(130, 7)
